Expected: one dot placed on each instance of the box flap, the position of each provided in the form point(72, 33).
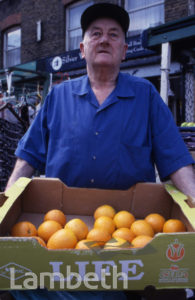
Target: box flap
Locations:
point(77, 200)
point(151, 197)
point(2, 198)
point(12, 194)
point(43, 194)
point(181, 200)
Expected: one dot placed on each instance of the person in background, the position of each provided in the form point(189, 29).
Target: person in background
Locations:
point(106, 129)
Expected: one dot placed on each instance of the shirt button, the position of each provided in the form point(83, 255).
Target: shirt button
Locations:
point(96, 133)
point(92, 180)
point(94, 157)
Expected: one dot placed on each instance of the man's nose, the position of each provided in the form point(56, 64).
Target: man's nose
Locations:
point(104, 38)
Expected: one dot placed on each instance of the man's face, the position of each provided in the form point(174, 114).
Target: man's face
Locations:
point(104, 43)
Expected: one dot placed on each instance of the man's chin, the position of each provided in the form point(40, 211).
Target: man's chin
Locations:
point(104, 63)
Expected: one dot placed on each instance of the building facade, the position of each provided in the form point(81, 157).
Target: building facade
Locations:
point(39, 44)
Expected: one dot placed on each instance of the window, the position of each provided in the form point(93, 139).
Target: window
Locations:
point(73, 29)
point(12, 47)
point(144, 14)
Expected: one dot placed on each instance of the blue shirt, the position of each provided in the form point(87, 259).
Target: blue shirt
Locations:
point(113, 145)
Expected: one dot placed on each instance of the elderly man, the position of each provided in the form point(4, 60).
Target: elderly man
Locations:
point(106, 129)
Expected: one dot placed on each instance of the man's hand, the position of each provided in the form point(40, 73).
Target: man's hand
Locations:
point(184, 180)
point(21, 169)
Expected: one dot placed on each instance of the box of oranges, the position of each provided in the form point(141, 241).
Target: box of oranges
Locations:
point(65, 238)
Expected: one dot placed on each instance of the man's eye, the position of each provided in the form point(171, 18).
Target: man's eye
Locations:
point(113, 35)
point(96, 33)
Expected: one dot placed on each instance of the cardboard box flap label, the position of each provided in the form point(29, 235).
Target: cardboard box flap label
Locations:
point(12, 194)
point(180, 199)
point(18, 187)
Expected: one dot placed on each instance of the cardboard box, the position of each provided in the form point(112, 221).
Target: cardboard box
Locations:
point(168, 261)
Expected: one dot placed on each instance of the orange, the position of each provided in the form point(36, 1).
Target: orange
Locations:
point(24, 228)
point(56, 215)
point(116, 243)
point(174, 225)
point(141, 227)
point(141, 241)
point(124, 233)
point(86, 244)
point(156, 221)
point(99, 235)
point(104, 210)
point(47, 228)
point(105, 223)
point(40, 240)
point(62, 239)
point(79, 228)
point(123, 219)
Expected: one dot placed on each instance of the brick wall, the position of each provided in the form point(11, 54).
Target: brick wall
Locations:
point(51, 15)
point(26, 14)
point(175, 9)
point(9, 16)
point(11, 20)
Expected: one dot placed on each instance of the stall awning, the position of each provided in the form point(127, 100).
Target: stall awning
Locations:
point(179, 30)
point(22, 72)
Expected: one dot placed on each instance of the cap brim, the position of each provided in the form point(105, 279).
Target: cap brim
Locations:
point(105, 10)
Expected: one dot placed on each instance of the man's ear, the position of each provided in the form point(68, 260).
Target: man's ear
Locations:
point(124, 51)
point(82, 49)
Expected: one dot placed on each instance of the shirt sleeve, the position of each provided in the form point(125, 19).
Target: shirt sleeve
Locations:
point(32, 147)
point(169, 150)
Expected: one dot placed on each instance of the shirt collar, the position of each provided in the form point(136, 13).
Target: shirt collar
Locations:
point(124, 88)
point(81, 86)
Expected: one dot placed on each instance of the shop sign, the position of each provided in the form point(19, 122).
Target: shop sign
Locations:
point(72, 60)
point(136, 46)
point(67, 61)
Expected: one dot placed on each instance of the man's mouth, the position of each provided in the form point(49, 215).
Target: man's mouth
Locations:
point(103, 51)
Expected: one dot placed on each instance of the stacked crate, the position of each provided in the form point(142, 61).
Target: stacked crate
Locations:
point(188, 135)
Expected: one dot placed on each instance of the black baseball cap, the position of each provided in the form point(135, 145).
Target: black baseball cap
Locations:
point(105, 10)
